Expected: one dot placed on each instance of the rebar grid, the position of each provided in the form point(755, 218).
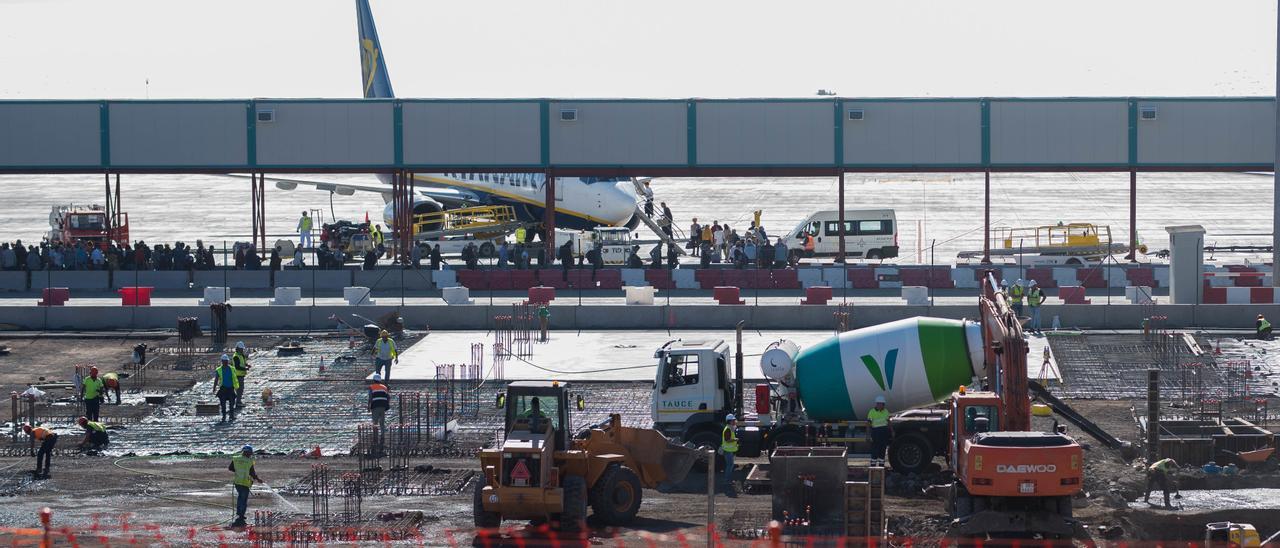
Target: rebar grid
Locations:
point(843, 317)
point(320, 490)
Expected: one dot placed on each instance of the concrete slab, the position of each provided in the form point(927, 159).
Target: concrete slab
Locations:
point(314, 279)
point(146, 278)
point(238, 279)
point(684, 278)
point(81, 279)
point(13, 281)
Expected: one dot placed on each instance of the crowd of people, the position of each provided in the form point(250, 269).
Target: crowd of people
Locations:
point(86, 255)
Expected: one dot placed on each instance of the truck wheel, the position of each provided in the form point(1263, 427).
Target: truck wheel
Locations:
point(484, 518)
point(615, 498)
point(574, 515)
point(910, 454)
point(487, 250)
point(873, 255)
point(703, 440)
point(789, 439)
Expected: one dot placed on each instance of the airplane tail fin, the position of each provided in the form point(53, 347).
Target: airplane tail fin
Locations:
point(373, 66)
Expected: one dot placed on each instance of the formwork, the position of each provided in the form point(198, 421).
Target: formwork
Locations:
point(808, 485)
point(1197, 442)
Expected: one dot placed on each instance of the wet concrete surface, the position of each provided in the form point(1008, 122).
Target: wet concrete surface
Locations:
point(1217, 499)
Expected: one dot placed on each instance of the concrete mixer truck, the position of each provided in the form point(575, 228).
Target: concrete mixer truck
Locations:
point(819, 395)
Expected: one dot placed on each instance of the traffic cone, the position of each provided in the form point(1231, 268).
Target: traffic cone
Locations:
point(315, 452)
point(322, 364)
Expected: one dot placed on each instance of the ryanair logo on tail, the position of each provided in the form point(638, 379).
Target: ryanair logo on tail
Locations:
point(890, 362)
point(368, 62)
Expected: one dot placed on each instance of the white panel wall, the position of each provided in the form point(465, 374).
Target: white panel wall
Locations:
point(1060, 132)
point(479, 133)
point(754, 133)
point(50, 134)
point(913, 133)
point(635, 133)
point(1239, 132)
point(327, 134)
point(178, 134)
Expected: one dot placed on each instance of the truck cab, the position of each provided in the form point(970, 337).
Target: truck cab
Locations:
point(692, 390)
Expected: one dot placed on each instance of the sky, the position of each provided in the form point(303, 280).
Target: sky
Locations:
point(64, 49)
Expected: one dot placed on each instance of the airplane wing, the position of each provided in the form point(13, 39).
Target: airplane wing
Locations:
point(449, 197)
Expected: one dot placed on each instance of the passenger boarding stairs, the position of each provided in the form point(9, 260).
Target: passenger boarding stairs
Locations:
point(656, 224)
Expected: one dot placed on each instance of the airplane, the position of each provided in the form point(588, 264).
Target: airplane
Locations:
point(582, 203)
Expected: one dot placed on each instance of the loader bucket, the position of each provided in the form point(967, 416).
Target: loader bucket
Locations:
point(658, 459)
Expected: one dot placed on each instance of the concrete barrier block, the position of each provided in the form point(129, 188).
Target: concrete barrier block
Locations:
point(916, 295)
point(684, 278)
point(286, 296)
point(77, 279)
point(444, 278)
point(1138, 294)
point(1065, 275)
point(963, 277)
point(418, 280)
point(13, 281)
point(1238, 295)
point(214, 295)
point(834, 277)
point(457, 295)
point(357, 296)
point(239, 279)
point(147, 278)
point(888, 277)
point(639, 295)
point(314, 279)
point(633, 277)
point(810, 277)
point(1161, 275)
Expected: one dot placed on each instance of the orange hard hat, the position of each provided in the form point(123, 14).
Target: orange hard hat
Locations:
point(82, 421)
point(26, 428)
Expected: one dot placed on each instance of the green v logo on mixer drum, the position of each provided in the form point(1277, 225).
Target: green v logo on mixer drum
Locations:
point(890, 361)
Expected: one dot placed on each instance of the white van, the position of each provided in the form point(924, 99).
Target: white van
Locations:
point(868, 233)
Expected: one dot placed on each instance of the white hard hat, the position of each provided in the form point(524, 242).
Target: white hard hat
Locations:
point(226, 358)
point(377, 377)
point(730, 417)
point(1033, 282)
point(879, 399)
point(1019, 281)
point(240, 345)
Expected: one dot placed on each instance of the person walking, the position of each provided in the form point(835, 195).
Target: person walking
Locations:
point(379, 403)
point(1158, 474)
point(435, 257)
point(95, 434)
point(304, 231)
point(91, 393)
point(225, 386)
point(881, 431)
point(240, 362)
point(44, 456)
point(242, 466)
point(1035, 298)
point(667, 220)
point(384, 353)
point(544, 321)
point(729, 448)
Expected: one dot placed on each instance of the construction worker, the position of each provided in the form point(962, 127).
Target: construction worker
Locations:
point(521, 233)
point(881, 431)
point(544, 320)
point(44, 455)
point(91, 393)
point(375, 234)
point(1264, 328)
point(1035, 298)
point(1016, 294)
point(384, 353)
point(729, 448)
point(245, 474)
point(225, 386)
point(112, 382)
point(304, 231)
point(240, 363)
point(379, 402)
point(1158, 474)
point(95, 434)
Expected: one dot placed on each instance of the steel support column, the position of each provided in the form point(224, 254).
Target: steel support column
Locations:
point(1133, 218)
point(1275, 185)
point(986, 218)
point(549, 221)
point(840, 205)
point(107, 181)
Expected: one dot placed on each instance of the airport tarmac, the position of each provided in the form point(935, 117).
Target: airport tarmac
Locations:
point(943, 210)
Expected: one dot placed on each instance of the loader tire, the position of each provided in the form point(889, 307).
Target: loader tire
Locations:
point(574, 515)
point(483, 518)
point(616, 496)
point(703, 440)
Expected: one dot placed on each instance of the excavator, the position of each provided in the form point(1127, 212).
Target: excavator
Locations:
point(1009, 480)
point(542, 473)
